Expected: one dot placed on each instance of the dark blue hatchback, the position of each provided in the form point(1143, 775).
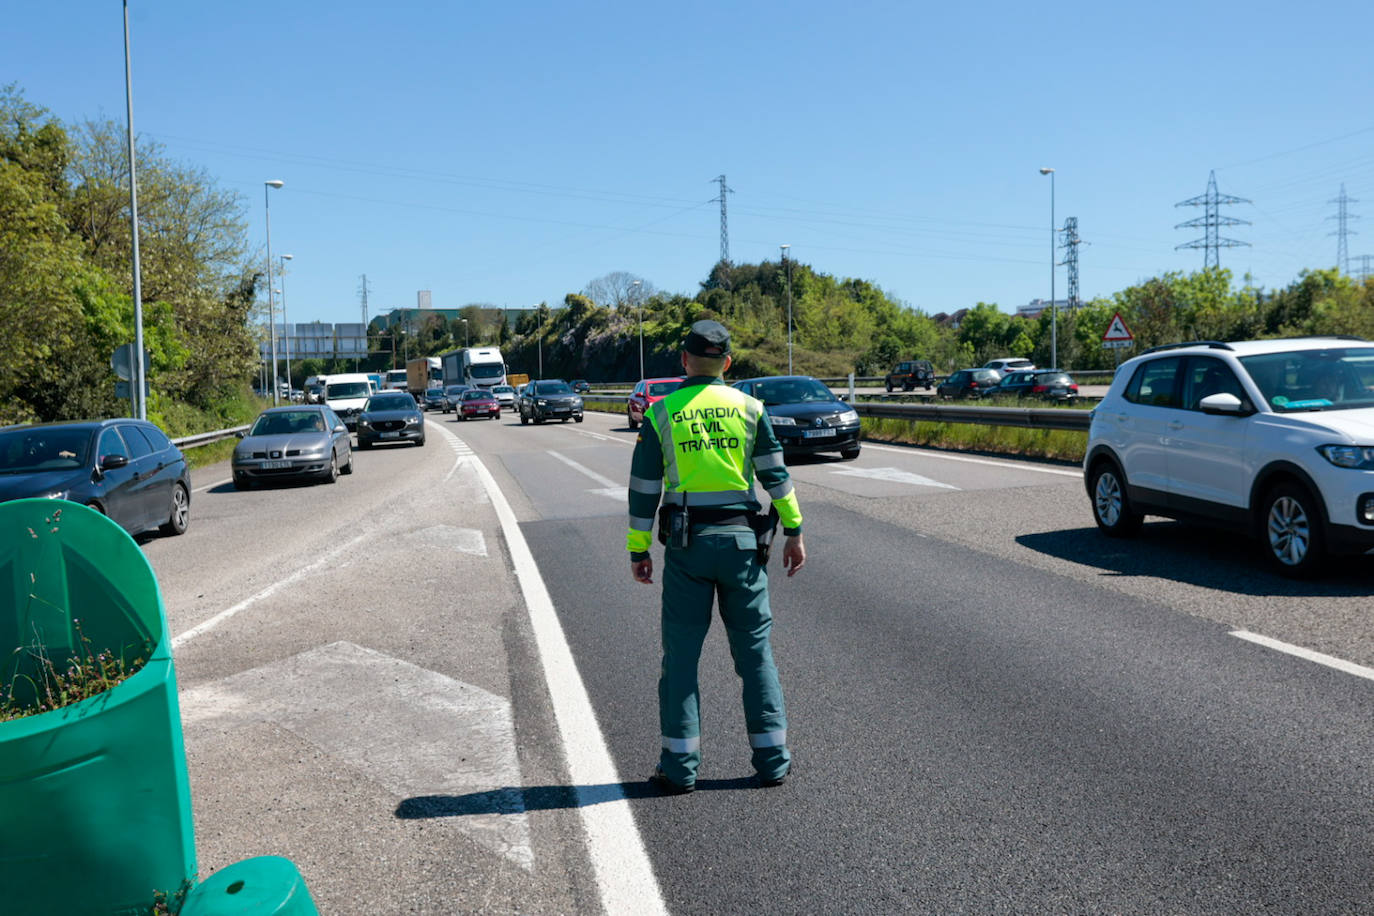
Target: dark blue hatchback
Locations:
point(127, 469)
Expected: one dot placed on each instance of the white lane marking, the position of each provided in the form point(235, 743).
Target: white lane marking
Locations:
point(324, 560)
point(996, 464)
point(211, 486)
point(604, 481)
point(895, 476)
point(601, 436)
point(436, 742)
point(620, 493)
point(624, 876)
point(1330, 661)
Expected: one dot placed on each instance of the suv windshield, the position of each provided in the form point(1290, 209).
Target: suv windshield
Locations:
point(390, 402)
point(552, 388)
point(791, 391)
point(347, 390)
point(1336, 378)
point(43, 449)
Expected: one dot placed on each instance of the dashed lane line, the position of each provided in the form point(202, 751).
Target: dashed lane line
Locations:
point(1320, 658)
point(996, 464)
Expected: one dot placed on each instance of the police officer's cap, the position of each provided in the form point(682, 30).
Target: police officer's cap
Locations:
point(707, 338)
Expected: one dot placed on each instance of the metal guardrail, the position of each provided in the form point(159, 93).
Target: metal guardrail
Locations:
point(1027, 417)
point(207, 438)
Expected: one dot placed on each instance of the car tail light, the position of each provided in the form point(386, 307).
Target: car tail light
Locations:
point(1073, 387)
point(973, 384)
point(1039, 389)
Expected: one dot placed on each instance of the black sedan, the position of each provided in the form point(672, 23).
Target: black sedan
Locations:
point(434, 399)
point(969, 383)
point(127, 469)
point(285, 443)
point(1046, 384)
point(549, 399)
point(390, 416)
point(807, 417)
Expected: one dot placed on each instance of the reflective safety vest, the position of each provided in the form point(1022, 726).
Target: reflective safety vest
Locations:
point(707, 436)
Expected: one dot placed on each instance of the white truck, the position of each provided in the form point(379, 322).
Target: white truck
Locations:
point(346, 393)
point(482, 366)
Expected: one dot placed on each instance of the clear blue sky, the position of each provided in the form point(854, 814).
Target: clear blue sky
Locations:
point(509, 153)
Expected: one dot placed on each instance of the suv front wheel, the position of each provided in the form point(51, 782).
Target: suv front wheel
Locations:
point(1111, 507)
point(1294, 542)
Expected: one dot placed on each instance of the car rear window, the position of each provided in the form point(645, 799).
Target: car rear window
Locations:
point(658, 389)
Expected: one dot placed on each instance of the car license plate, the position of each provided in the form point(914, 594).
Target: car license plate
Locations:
point(1060, 391)
point(390, 435)
point(275, 465)
point(819, 433)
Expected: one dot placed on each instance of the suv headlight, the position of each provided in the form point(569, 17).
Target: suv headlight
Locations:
point(541, 403)
point(413, 421)
point(1357, 457)
point(781, 421)
point(362, 421)
point(577, 402)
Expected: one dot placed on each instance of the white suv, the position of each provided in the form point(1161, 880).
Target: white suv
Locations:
point(1271, 437)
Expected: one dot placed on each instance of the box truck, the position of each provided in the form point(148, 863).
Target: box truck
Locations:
point(482, 366)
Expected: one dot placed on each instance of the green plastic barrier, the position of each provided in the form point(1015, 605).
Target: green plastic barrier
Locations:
point(95, 806)
point(265, 886)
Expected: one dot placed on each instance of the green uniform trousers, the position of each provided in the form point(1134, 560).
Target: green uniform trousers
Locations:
point(718, 561)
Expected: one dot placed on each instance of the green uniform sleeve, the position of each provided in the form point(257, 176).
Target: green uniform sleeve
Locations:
point(772, 473)
point(645, 490)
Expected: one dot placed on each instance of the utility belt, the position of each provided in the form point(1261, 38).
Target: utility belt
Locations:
point(675, 525)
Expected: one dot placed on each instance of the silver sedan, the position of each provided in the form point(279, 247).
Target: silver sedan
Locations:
point(293, 442)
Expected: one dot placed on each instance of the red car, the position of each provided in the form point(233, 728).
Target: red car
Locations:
point(479, 402)
point(647, 392)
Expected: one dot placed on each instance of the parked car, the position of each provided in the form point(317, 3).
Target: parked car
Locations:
point(807, 416)
point(549, 399)
point(910, 373)
point(434, 399)
point(1008, 364)
point(390, 416)
point(646, 392)
point(1046, 384)
point(1272, 438)
point(479, 402)
point(581, 386)
point(284, 443)
point(127, 469)
point(453, 394)
point(969, 383)
point(506, 395)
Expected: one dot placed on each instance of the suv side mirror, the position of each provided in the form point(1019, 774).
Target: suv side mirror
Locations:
point(1224, 404)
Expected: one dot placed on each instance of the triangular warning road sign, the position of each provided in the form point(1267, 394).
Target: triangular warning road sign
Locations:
point(1117, 330)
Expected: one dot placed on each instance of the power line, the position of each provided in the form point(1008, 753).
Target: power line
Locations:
point(1211, 221)
point(1342, 217)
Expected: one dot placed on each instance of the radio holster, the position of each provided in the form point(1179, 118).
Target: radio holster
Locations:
point(674, 526)
point(765, 529)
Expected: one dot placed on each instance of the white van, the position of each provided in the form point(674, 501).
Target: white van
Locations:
point(345, 394)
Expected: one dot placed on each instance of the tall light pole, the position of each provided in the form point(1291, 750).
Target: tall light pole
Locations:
point(466, 340)
point(1054, 309)
point(137, 381)
point(634, 292)
point(540, 339)
point(787, 269)
point(285, 322)
point(271, 302)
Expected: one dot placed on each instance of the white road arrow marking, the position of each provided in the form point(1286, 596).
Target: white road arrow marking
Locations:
point(608, 486)
point(895, 476)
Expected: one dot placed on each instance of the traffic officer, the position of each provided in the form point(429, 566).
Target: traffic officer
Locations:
point(700, 449)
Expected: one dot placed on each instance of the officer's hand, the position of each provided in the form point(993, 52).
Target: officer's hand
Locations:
point(643, 571)
point(793, 554)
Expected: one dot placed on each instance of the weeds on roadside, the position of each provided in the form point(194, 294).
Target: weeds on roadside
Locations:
point(1064, 444)
point(55, 683)
point(169, 903)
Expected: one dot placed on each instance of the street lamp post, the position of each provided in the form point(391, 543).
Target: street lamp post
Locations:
point(271, 301)
point(285, 322)
point(787, 269)
point(466, 339)
point(634, 292)
point(137, 392)
point(1054, 309)
point(540, 340)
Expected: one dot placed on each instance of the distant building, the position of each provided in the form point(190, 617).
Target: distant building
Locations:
point(1033, 308)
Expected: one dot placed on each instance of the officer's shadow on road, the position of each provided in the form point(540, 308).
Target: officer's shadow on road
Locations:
point(1201, 556)
point(517, 799)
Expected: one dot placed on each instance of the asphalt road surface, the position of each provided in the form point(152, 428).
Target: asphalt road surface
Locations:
point(992, 709)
